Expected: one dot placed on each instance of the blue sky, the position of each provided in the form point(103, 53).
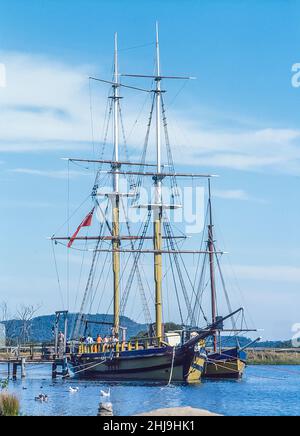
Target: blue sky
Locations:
point(240, 119)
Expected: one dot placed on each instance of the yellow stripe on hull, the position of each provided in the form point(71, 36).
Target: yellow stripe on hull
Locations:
point(196, 370)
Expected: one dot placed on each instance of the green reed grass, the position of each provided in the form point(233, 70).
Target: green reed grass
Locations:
point(9, 405)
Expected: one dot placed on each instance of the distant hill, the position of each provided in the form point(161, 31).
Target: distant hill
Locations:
point(41, 327)
point(229, 341)
point(41, 330)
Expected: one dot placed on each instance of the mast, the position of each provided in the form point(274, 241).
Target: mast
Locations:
point(158, 202)
point(116, 196)
point(211, 249)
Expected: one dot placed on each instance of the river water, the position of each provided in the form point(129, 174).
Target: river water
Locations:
point(265, 390)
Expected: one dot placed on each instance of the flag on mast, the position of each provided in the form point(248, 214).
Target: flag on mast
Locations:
point(87, 222)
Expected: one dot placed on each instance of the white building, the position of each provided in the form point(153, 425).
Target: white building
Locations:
point(2, 335)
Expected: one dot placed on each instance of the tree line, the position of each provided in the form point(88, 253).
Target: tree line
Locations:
point(18, 324)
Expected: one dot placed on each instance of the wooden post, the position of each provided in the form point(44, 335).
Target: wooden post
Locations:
point(105, 409)
point(8, 369)
point(66, 333)
point(65, 369)
point(15, 369)
point(23, 367)
point(54, 370)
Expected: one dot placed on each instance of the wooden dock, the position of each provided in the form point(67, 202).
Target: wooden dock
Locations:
point(17, 359)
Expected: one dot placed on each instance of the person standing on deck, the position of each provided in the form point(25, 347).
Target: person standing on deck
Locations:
point(99, 342)
point(61, 343)
point(89, 342)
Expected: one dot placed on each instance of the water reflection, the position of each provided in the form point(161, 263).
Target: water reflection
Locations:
point(264, 391)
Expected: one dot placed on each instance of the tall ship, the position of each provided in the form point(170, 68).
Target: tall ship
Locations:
point(119, 248)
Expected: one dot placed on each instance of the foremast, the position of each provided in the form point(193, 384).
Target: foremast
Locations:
point(115, 198)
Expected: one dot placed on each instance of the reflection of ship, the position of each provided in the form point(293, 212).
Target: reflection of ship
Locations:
point(154, 356)
point(222, 362)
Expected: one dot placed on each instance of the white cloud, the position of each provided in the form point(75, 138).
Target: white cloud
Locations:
point(45, 106)
point(233, 194)
point(276, 273)
point(59, 174)
point(27, 205)
point(254, 149)
point(2, 76)
point(236, 194)
point(44, 103)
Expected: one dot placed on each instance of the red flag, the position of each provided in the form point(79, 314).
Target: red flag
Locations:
point(87, 222)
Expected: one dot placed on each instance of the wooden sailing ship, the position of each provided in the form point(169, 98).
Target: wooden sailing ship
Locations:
point(152, 357)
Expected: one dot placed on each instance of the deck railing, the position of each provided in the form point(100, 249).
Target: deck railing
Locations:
point(133, 345)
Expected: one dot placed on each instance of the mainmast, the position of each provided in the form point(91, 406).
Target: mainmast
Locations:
point(158, 202)
point(116, 197)
point(211, 249)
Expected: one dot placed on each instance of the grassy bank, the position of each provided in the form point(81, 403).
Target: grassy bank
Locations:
point(9, 405)
point(274, 357)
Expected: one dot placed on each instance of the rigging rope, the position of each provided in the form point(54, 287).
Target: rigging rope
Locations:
point(175, 285)
point(146, 310)
point(144, 153)
point(57, 275)
point(174, 246)
point(225, 290)
point(179, 273)
point(174, 185)
point(135, 265)
point(90, 280)
point(172, 367)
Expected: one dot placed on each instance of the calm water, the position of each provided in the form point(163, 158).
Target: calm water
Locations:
point(265, 390)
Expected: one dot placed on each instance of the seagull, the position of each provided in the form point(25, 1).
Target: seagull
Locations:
point(73, 390)
point(105, 394)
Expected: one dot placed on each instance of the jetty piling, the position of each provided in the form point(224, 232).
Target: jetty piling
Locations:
point(23, 367)
point(8, 369)
point(20, 363)
point(54, 370)
point(63, 365)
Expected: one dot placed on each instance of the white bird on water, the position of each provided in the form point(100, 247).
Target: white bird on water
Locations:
point(73, 390)
point(105, 394)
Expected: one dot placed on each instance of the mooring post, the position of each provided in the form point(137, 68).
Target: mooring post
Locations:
point(65, 369)
point(54, 370)
point(23, 367)
point(8, 369)
point(105, 409)
point(15, 369)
